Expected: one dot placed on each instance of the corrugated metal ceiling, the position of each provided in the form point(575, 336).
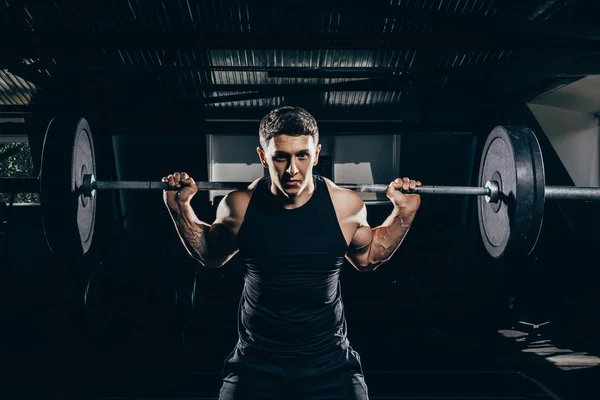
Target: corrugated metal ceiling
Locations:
point(197, 73)
point(14, 90)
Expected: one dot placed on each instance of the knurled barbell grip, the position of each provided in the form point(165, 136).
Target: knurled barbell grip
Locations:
point(423, 189)
point(157, 185)
point(361, 188)
point(90, 185)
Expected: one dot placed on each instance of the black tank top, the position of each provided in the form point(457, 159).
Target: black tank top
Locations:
point(291, 304)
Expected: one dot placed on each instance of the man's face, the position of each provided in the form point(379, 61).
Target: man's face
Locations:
point(290, 160)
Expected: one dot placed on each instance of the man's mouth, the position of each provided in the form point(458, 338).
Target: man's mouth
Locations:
point(293, 183)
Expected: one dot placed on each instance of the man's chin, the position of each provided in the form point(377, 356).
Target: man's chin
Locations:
point(290, 190)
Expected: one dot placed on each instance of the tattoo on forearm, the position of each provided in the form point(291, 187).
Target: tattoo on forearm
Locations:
point(196, 238)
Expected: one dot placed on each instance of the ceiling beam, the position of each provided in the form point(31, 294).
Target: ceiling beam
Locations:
point(346, 127)
point(450, 112)
point(139, 124)
point(259, 91)
point(537, 40)
point(523, 64)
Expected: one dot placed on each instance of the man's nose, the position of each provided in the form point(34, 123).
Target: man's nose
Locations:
point(292, 168)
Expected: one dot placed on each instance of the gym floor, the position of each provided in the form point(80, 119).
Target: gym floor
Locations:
point(127, 345)
point(439, 367)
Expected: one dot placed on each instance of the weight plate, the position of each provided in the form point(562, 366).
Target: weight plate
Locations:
point(83, 162)
point(68, 217)
point(512, 157)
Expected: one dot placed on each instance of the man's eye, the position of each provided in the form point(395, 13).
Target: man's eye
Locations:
point(303, 156)
point(279, 159)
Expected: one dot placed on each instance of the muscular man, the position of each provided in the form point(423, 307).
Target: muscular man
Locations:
point(293, 230)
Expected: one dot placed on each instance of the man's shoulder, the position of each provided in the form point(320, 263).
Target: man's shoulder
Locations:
point(237, 201)
point(346, 201)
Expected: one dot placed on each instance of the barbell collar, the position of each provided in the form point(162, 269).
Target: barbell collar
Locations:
point(89, 185)
point(493, 194)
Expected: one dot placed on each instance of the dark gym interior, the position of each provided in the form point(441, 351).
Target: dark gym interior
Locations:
point(398, 88)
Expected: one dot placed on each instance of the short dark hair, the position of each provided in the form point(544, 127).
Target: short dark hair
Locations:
point(287, 120)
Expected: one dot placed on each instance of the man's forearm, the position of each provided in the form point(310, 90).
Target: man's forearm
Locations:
point(192, 232)
point(388, 237)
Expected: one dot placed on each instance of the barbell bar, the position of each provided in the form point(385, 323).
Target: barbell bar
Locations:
point(31, 185)
point(91, 184)
point(490, 190)
point(511, 188)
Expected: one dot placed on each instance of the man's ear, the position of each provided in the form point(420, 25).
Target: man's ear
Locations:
point(317, 152)
point(263, 157)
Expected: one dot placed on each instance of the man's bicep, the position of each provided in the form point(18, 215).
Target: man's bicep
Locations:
point(363, 234)
point(362, 239)
point(221, 238)
point(358, 250)
point(221, 241)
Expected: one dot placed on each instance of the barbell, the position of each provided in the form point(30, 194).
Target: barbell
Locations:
point(511, 190)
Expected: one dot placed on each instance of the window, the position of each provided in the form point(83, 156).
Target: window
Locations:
point(366, 159)
point(232, 159)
